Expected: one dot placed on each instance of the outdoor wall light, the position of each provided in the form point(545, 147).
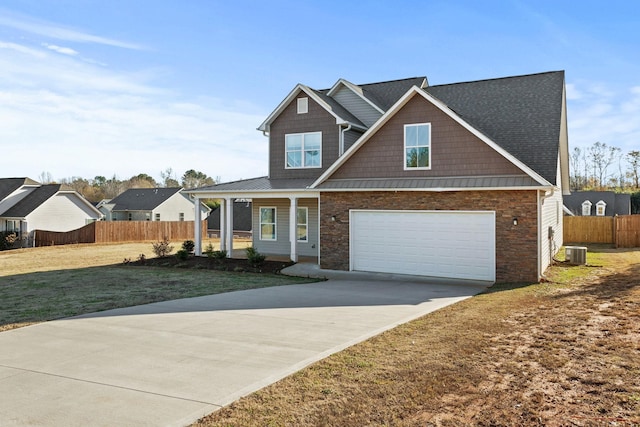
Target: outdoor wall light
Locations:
point(333, 218)
point(515, 221)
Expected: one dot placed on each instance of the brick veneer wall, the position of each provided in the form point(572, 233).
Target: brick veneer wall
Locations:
point(516, 246)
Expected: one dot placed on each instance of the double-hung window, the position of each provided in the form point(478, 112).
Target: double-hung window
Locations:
point(303, 150)
point(302, 219)
point(417, 146)
point(268, 224)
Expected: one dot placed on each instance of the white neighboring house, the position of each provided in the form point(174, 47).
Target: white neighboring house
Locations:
point(151, 204)
point(27, 205)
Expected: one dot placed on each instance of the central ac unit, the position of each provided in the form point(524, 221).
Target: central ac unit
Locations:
point(576, 255)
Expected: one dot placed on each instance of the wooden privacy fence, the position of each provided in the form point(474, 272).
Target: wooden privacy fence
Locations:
point(120, 231)
point(622, 231)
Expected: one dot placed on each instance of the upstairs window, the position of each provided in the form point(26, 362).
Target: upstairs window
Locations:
point(586, 208)
point(417, 146)
point(600, 208)
point(303, 105)
point(303, 150)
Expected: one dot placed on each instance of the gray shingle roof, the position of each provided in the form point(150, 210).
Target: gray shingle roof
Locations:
point(522, 114)
point(33, 200)
point(143, 199)
point(338, 109)
point(617, 204)
point(429, 183)
point(9, 185)
point(385, 94)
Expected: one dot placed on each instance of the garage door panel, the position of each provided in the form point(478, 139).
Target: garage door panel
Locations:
point(442, 244)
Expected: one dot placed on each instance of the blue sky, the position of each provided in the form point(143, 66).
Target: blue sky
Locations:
point(123, 87)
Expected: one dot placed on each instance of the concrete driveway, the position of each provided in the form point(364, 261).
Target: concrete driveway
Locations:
point(167, 364)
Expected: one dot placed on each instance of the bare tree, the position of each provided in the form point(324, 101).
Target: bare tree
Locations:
point(633, 158)
point(45, 178)
point(169, 178)
point(602, 156)
point(576, 179)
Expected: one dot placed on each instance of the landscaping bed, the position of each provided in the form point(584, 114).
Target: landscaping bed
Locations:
point(238, 265)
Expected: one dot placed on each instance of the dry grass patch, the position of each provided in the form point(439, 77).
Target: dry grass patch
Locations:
point(565, 352)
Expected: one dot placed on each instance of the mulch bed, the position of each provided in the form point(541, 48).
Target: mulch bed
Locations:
point(201, 262)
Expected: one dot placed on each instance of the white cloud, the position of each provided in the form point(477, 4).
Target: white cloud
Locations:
point(605, 114)
point(59, 49)
point(47, 29)
point(70, 118)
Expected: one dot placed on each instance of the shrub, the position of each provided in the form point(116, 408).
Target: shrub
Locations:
point(162, 248)
point(182, 255)
point(188, 245)
point(255, 258)
point(208, 251)
point(7, 239)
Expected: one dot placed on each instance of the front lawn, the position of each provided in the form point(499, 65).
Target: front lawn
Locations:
point(41, 284)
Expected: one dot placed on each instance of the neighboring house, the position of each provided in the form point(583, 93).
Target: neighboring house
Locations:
point(461, 180)
point(26, 205)
point(242, 221)
point(597, 203)
point(152, 204)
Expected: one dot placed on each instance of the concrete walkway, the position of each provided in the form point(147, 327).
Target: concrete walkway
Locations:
point(168, 364)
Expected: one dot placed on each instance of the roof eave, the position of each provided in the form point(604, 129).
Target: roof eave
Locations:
point(440, 105)
point(265, 126)
point(356, 90)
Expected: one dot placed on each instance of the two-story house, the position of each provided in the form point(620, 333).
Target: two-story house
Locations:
point(461, 180)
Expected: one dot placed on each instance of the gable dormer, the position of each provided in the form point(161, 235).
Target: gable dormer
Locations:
point(352, 98)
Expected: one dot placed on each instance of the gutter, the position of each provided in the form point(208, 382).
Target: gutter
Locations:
point(341, 139)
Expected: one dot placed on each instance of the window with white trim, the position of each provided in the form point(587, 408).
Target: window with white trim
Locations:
point(586, 208)
point(181, 216)
point(303, 150)
point(417, 146)
point(302, 220)
point(268, 223)
point(157, 217)
point(303, 105)
point(601, 206)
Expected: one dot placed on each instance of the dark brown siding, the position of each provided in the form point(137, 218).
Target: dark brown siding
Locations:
point(516, 246)
point(289, 121)
point(454, 150)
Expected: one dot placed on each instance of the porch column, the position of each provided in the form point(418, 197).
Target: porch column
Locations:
point(293, 228)
point(198, 227)
point(223, 224)
point(229, 233)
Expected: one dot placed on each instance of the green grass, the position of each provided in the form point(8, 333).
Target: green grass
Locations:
point(48, 295)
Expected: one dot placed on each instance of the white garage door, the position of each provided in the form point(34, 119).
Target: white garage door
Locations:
point(454, 244)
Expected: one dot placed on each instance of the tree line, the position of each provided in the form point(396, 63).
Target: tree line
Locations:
point(603, 167)
point(100, 187)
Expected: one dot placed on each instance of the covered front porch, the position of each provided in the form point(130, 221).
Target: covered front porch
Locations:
point(285, 221)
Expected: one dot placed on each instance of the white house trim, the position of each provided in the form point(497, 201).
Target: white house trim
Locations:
point(265, 126)
point(398, 105)
point(355, 89)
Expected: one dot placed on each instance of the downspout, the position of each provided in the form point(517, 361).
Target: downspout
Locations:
point(265, 133)
point(341, 142)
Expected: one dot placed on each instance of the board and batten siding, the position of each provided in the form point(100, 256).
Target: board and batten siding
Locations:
point(62, 212)
point(357, 106)
point(282, 244)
